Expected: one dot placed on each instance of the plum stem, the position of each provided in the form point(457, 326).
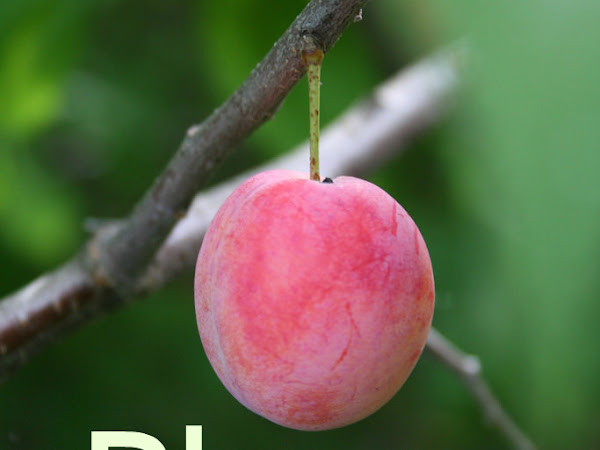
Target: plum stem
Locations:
point(313, 56)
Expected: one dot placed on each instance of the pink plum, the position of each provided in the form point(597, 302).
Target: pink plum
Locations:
point(313, 299)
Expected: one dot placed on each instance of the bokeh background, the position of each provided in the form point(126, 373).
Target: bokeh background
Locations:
point(94, 98)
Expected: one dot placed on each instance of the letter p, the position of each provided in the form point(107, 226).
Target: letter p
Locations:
point(104, 440)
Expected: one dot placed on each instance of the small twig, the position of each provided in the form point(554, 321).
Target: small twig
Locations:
point(468, 370)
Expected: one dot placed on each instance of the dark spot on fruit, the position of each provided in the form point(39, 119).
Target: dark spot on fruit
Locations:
point(327, 180)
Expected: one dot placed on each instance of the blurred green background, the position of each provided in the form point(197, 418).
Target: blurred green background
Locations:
point(94, 98)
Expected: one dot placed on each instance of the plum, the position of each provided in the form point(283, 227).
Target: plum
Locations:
point(313, 299)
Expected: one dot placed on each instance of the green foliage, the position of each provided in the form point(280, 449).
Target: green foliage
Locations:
point(94, 98)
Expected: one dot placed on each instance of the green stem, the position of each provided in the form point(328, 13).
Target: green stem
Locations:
point(313, 60)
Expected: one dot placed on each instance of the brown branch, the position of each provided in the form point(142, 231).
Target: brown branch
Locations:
point(364, 138)
point(468, 370)
point(122, 256)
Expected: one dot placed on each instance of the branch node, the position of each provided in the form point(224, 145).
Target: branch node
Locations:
point(471, 365)
point(98, 263)
point(193, 130)
point(313, 41)
point(358, 17)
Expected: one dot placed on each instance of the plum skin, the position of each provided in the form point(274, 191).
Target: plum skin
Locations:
point(313, 300)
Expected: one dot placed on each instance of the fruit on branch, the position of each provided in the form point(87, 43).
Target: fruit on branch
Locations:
point(313, 299)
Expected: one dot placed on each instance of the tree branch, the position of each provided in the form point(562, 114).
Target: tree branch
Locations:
point(468, 370)
point(362, 139)
point(123, 255)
